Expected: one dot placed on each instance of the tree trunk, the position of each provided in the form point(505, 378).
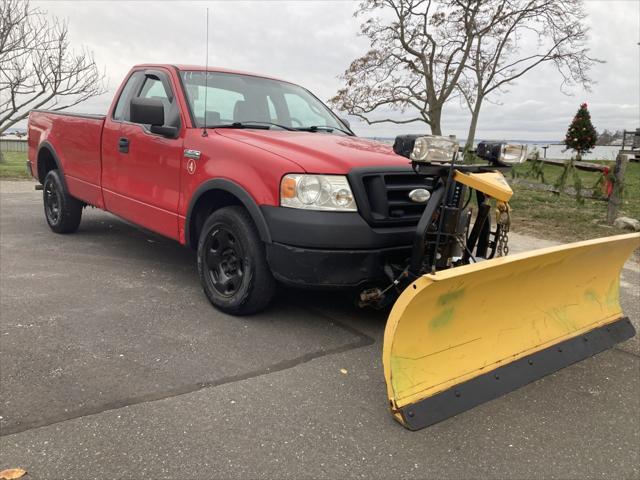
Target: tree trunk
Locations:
point(435, 115)
point(475, 114)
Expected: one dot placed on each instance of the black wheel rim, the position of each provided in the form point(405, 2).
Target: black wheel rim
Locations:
point(224, 261)
point(52, 202)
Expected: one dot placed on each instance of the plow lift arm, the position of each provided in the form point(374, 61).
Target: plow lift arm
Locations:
point(469, 326)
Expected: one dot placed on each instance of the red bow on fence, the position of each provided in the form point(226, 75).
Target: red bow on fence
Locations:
point(607, 186)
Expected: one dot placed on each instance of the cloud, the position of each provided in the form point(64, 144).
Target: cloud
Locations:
point(312, 42)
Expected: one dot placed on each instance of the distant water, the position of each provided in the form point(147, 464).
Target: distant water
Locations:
point(607, 152)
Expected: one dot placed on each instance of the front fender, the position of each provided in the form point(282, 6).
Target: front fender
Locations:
point(225, 185)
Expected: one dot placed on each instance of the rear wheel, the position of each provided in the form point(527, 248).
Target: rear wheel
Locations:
point(232, 263)
point(62, 211)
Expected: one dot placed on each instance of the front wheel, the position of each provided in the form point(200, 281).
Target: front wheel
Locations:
point(232, 263)
point(62, 211)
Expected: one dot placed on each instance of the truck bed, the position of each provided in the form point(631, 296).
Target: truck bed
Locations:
point(75, 139)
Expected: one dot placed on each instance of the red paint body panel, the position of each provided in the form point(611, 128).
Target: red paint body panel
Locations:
point(151, 185)
point(142, 185)
point(79, 137)
point(320, 152)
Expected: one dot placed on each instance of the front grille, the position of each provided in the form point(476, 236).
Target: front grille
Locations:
point(383, 196)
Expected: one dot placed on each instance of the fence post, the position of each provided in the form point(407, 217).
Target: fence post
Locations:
point(616, 196)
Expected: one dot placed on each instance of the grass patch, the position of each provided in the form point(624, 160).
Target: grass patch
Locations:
point(562, 217)
point(14, 166)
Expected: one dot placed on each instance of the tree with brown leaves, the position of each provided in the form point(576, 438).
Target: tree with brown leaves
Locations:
point(419, 49)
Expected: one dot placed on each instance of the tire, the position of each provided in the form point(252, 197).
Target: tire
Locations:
point(232, 263)
point(62, 211)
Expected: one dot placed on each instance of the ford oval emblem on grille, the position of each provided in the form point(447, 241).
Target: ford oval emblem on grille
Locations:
point(419, 195)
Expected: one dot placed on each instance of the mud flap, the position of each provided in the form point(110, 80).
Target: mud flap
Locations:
point(460, 337)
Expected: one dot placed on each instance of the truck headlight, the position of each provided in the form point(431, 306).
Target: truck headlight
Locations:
point(317, 192)
point(426, 148)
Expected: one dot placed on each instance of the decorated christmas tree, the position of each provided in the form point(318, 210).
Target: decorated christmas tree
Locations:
point(581, 135)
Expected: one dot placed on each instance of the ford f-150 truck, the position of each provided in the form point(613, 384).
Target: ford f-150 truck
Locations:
point(256, 173)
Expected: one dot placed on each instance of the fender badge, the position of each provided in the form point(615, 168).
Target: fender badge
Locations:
point(191, 166)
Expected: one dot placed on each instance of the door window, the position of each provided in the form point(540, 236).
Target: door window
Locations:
point(121, 112)
point(160, 90)
point(154, 88)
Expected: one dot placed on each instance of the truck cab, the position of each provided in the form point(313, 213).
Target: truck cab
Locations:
point(256, 173)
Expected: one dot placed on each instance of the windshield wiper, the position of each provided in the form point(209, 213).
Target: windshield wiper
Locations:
point(319, 128)
point(252, 124)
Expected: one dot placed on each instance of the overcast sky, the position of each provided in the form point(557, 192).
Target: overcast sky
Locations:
point(312, 42)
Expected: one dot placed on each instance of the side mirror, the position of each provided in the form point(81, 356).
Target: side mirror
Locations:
point(148, 111)
point(165, 131)
point(345, 122)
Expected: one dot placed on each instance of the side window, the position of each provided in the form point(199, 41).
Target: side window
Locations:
point(154, 88)
point(121, 112)
point(300, 110)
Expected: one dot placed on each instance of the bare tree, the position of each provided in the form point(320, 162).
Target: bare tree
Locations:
point(416, 59)
point(38, 69)
point(512, 37)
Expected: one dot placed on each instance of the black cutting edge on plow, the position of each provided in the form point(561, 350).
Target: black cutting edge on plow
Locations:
point(514, 375)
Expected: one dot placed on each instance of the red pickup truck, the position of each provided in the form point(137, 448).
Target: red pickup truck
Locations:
point(255, 173)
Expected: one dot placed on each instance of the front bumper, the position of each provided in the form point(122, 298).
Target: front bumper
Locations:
point(317, 268)
point(331, 230)
point(332, 249)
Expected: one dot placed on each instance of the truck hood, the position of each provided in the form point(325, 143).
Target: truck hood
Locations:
point(317, 152)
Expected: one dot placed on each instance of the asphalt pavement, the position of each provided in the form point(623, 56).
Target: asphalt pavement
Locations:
point(114, 365)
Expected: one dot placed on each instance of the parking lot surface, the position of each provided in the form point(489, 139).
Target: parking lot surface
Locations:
point(114, 365)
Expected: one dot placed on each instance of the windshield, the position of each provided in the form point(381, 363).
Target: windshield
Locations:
point(234, 99)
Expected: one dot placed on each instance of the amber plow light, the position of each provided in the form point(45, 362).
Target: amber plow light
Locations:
point(463, 336)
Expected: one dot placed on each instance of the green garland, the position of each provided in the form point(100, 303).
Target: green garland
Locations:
point(570, 171)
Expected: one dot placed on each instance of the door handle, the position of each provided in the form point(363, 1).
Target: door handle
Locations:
point(123, 145)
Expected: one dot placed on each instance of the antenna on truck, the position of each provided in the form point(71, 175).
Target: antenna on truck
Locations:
point(206, 79)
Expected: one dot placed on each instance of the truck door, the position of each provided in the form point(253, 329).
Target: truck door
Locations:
point(141, 170)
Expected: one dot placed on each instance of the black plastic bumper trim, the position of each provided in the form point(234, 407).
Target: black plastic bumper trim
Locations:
point(332, 269)
point(514, 375)
point(331, 230)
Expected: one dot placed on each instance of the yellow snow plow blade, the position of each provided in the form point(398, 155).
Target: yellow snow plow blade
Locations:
point(462, 336)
